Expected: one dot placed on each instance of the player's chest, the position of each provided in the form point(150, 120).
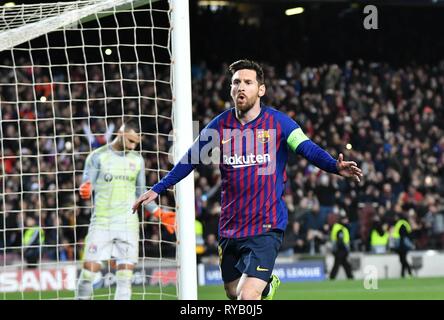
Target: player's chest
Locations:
point(242, 148)
point(258, 139)
point(119, 165)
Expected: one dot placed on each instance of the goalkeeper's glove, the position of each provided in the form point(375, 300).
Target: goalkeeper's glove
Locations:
point(85, 190)
point(167, 218)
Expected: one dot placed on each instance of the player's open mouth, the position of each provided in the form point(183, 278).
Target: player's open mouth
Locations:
point(241, 98)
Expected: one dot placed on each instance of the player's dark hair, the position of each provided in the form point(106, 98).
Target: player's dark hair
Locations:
point(250, 65)
point(131, 124)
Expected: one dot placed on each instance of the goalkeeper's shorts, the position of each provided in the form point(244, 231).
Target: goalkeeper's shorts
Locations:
point(102, 245)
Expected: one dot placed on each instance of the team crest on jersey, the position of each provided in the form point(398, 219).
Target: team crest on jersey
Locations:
point(263, 136)
point(92, 248)
point(132, 166)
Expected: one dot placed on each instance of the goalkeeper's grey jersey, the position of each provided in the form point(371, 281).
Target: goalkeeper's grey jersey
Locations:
point(117, 179)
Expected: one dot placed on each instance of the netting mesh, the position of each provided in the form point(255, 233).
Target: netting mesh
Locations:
point(12, 17)
point(63, 95)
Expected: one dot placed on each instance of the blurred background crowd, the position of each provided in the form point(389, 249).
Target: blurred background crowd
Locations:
point(386, 116)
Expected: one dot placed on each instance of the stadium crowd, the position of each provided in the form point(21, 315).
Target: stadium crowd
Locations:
point(389, 120)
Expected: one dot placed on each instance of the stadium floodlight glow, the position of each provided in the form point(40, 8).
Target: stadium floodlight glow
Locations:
point(217, 3)
point(428, 180)
point(9, 4)
point(293, 11)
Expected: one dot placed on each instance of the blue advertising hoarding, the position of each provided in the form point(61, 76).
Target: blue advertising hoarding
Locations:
point(312, 270)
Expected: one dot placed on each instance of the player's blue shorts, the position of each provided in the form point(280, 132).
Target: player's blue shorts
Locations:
point(253, 255)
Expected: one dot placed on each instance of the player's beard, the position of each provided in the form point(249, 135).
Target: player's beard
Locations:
point(244, 104)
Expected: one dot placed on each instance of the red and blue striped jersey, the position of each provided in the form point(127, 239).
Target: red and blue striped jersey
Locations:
point(253, 158)
point(253, 173)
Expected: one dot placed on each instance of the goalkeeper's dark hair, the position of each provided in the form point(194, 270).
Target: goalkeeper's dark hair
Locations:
point(131, 124)
point(249, 65)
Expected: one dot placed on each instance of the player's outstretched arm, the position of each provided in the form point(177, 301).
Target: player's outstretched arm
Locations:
point(348, 169)
point(144, 199)
point(183, 168)
point(298, 142)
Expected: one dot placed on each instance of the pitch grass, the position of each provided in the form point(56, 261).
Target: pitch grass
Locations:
point(390, 289)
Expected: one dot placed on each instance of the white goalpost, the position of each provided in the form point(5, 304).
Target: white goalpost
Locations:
point(70, 74)
point(183, 137)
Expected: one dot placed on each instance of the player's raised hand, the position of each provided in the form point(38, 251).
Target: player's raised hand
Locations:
point(348, 169)
point(144, 199)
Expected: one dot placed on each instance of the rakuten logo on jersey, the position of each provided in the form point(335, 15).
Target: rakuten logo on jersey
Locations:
point(237, 161)
point(235, 147)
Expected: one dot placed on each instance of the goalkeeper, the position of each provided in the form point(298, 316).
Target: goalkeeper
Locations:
point(116, 173)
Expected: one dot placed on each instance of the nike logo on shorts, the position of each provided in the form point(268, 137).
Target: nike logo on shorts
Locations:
point(258, 268)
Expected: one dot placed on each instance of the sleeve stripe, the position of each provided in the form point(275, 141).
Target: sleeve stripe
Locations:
point(296, 137)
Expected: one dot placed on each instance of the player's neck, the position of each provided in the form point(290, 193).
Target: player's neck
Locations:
point(250, 115)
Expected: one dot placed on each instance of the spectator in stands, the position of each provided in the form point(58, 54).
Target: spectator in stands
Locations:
point(434, 222)
point(325, 192)
point(294, 240)
point(211, 245)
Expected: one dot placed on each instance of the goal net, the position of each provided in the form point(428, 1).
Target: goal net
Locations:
point(70, 74)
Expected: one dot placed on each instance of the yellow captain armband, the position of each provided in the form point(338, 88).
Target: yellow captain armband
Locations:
point(296, 137)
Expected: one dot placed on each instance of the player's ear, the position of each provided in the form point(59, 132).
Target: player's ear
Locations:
point(261, 90)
